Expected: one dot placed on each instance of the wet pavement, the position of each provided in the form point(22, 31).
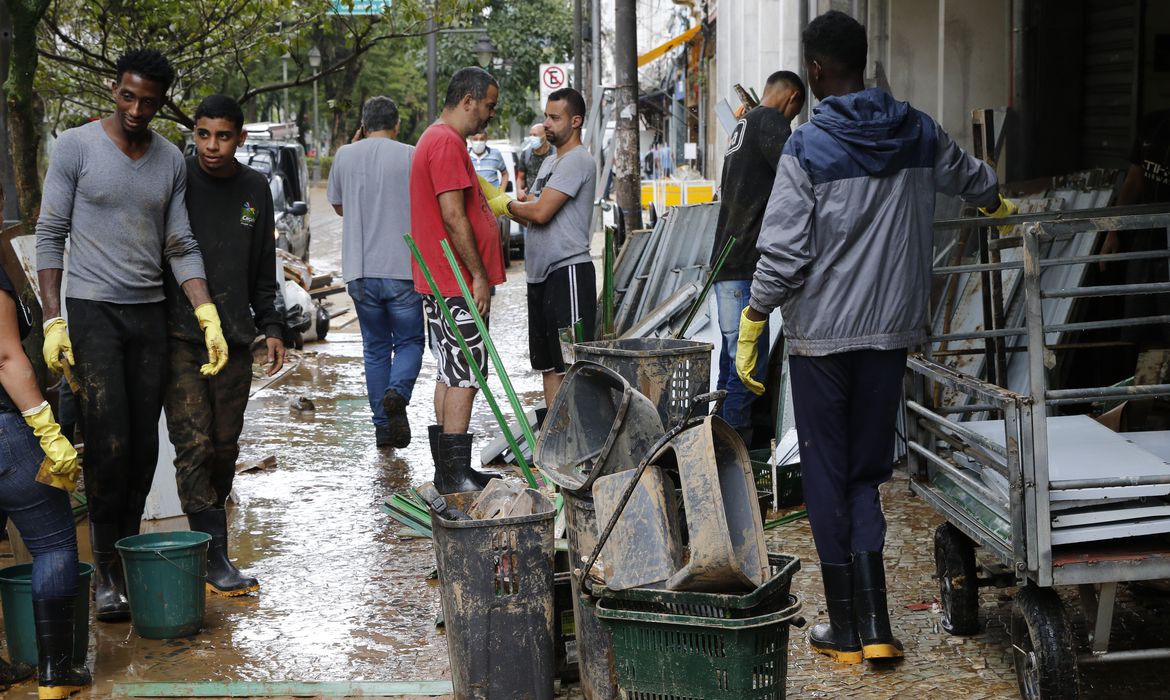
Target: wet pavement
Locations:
point(345, 596)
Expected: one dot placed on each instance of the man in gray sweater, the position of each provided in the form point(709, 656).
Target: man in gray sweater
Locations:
point(116, 190)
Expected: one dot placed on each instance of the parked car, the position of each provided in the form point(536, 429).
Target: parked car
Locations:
point(273, 150)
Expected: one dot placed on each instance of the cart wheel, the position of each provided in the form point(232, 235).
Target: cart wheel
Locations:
point(954, 562)
point(1045, 656)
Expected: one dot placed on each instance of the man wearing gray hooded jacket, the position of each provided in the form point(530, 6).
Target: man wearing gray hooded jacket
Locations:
point(846, 248)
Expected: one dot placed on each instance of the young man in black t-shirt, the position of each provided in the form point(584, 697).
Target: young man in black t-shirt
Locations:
point(230, 207)
point(749, 167)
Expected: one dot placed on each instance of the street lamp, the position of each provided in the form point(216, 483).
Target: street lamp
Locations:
point(484, 51)
point(315, 63)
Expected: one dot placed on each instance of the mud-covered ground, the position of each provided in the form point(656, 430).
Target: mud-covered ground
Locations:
point(345, 597)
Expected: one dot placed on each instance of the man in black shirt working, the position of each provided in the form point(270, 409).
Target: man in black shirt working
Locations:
point(230, 207)
point(749, 167)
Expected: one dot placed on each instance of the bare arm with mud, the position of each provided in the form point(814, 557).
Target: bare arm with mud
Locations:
point(462, 238)
point(50, 280)
point(16, 372)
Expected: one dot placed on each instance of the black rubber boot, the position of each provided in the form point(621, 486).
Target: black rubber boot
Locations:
point(873, 613)
point(57, 676)
point(13, 673)
point(481, 477)
point(109, 592)
point(433, 433)
point(453, 472)
point(222, 576)
point(838, 638)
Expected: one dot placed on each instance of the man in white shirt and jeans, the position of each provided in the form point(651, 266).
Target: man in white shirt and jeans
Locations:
point(369, 186)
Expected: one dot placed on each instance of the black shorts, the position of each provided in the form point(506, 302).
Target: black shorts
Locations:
point(566, 295)
point(454, 370)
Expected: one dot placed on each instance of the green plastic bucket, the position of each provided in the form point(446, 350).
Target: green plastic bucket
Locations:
point(165, 578)
point(19, 628)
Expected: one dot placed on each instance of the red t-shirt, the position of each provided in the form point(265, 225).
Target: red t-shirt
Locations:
point(441, 164)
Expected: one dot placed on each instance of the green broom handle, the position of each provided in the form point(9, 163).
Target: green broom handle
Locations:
point(487, 394)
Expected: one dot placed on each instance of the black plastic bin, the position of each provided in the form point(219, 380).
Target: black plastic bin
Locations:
point(669, 372)
point(496, 583)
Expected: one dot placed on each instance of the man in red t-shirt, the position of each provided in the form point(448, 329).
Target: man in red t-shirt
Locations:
point(446, 202)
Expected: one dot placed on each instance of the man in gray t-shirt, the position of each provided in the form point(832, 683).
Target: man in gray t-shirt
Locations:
point(561, 279)
point(116, 190)
point(369, 185)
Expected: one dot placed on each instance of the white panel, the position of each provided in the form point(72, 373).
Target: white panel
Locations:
point(1081, 448)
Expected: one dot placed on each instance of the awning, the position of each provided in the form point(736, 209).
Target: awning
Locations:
point(657, 51)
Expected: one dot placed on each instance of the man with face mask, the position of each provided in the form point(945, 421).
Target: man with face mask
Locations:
point(749, 167)
point(489, 163)
point(536, 150)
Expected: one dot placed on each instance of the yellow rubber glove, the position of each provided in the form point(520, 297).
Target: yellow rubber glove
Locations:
point(57, 344)
point(497, 200)
point(61, 458)
point(217, 348)
point(746, 352)
point(1006, 207)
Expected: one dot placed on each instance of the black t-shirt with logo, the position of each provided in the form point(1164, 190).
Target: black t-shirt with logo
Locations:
point(749, 167)
point(232, 220)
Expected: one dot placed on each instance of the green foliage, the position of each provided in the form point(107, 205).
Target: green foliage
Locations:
point(526, 33)
point(229, 46)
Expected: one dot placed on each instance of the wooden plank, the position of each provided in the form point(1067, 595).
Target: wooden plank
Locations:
point(299, 689)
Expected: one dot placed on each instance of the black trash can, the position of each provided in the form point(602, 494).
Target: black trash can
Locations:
point(669, 372)
point(594, 649)
point(496, 583)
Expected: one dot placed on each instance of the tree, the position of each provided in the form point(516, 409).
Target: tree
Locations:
point(526, 33)
point(64, 53)
point(217, 43)
point(25, 109)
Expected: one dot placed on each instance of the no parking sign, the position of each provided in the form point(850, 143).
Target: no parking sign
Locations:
point(553, 76)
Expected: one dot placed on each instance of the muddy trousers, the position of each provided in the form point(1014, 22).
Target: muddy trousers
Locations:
point(846, 409)
point(120, 351)
point(205, 416)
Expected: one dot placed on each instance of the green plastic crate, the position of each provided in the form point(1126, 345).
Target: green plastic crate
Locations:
point(767, 598)
point(664, 656)
point(789, 491)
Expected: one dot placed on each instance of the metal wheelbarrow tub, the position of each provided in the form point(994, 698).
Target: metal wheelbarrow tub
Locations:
point(727, 547)
point(597, 425)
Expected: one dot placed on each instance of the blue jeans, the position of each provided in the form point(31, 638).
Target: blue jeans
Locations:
point(41, 512)
point(391, 317)
point(732, 298)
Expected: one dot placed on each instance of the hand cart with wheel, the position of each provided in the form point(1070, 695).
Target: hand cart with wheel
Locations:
point(1049, 500)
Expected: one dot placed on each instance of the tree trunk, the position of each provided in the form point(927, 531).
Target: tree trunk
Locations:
point(25, 109)
point(345, 122)
point(626, 168)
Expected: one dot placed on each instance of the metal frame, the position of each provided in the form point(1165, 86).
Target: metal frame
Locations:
point(936, 434)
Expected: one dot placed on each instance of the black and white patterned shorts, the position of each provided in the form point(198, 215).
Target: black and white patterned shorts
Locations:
point(453, 367)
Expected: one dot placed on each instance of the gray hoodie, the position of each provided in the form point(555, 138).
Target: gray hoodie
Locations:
point(846, 242)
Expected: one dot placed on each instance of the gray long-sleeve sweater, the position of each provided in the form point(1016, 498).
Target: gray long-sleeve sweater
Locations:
point(125, 218)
